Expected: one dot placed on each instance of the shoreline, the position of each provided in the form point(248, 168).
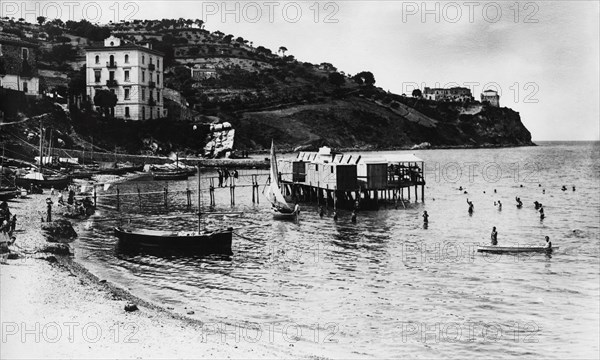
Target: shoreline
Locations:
point(55, 307)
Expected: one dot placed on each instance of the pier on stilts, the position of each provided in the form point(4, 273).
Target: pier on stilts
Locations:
point(353, 181)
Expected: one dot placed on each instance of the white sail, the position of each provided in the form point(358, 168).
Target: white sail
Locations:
point(274, 194)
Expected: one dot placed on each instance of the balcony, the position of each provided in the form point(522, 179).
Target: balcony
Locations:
point(111, 65)
point(151, 67)
point(151, 102)
point(151, 84)
point(111, 83)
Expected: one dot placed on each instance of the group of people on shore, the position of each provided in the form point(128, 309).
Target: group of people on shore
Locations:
point(224, 174)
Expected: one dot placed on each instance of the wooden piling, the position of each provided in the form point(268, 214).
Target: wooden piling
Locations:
point(118, 200)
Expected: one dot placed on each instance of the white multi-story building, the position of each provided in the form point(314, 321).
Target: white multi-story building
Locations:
point(133, 73)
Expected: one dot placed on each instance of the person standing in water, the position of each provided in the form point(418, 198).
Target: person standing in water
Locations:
point(471, 206)
point(494, 236)
point(425, 217)
point(499, 205)
point(353, 219)
point(542, 216)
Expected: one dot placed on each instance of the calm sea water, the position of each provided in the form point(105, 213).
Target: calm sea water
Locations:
point(388, 286)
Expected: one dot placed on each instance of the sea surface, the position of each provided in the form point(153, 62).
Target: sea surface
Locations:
point(387, 286)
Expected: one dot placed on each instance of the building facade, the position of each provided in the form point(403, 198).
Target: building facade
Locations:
point(134, 73)
point(491, 97)
point(458, 94)
point(18, 65)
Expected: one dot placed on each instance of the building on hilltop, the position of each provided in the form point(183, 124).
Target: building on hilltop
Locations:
point(202, 73)
point(452, 94)
point(134, 73)
point(18, 65)
point(491, 97)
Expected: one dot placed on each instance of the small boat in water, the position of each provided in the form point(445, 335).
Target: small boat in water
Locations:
point(514, 249)
point(203, 241)
point(171, 175)
point(279, 207)
point(207, 242)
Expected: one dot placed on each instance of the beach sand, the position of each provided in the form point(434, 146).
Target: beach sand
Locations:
point(59, 310)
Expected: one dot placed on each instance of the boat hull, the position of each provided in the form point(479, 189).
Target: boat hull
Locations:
point(514, 249)
point(278, 215)
point(57, 183)
point(175, 175)
point(217, 242)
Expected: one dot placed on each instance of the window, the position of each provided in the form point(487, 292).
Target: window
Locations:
point(332, 169)
point(150, 59)
point(111, 60)
point(25, 53)
point(127, 111)
point(143, 113)
point(143, 94)
point(157, 63)
point(127, 91)
point(112, 43)
point(157, 79)
point(316, 167)
point(97, 59)
point(126, 75)
point(25, 89)
point(97, 76)
point(143, 75)
point(143, 59)
point(111, 75)
point(126, 59)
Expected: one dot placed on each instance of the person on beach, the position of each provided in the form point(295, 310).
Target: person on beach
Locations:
point(13, 223)
point(335, 216)
point(225, 176)
point(71, 197)
point(494, 236)
point(353, 219)
point(296, 209)
point(471, 206)
point(61, 200)
point(548, 245)
point(321, 211)
point(220, 177)
point(235, 174)
point(425, 217)
point(5, 227)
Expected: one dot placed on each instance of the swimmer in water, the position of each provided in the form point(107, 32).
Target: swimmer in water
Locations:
point(499, 205)
point(494, 236)
point(573, 187)
point(471, 206)
point(542, 216)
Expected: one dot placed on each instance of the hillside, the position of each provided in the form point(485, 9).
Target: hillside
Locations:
point(263, 94)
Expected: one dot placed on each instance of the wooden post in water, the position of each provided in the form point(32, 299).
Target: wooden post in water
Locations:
point(416, 194)
point(199, 200)
point(253, 183)
point(118, 200)
point(189, 198)
point(95, 197)
point(165, 198)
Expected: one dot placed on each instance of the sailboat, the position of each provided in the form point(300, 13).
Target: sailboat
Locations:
point(280, 208)
point(201, 241)
point(38, 178)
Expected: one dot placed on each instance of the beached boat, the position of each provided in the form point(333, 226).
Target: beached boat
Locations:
point(171, 175)
point(7, 193)
point(514, 249)
point(44, 181)
point(279, 207)
point(217, 241)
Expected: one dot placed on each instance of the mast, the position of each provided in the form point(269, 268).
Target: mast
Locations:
point(41, 142)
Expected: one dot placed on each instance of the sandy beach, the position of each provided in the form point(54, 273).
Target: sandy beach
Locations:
point(57, 309)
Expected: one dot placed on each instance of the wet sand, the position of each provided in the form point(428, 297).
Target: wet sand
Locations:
point(59, 310)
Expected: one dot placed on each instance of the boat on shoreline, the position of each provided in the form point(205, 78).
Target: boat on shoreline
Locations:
point(514, 249)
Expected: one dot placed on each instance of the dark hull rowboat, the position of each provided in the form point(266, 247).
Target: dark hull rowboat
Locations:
point(514, 249)
point(171, 175)
point(57, 182)
point(207, 242)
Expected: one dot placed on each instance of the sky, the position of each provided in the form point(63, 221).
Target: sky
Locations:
point(543, 57)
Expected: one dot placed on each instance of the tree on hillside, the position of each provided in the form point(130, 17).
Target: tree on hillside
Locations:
point(199, 23)
point(364, 77)
point(417, 93)
point(337, 79)
point(282, 50)
point(41, 20)
point(106, 100)
point(227, 39)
